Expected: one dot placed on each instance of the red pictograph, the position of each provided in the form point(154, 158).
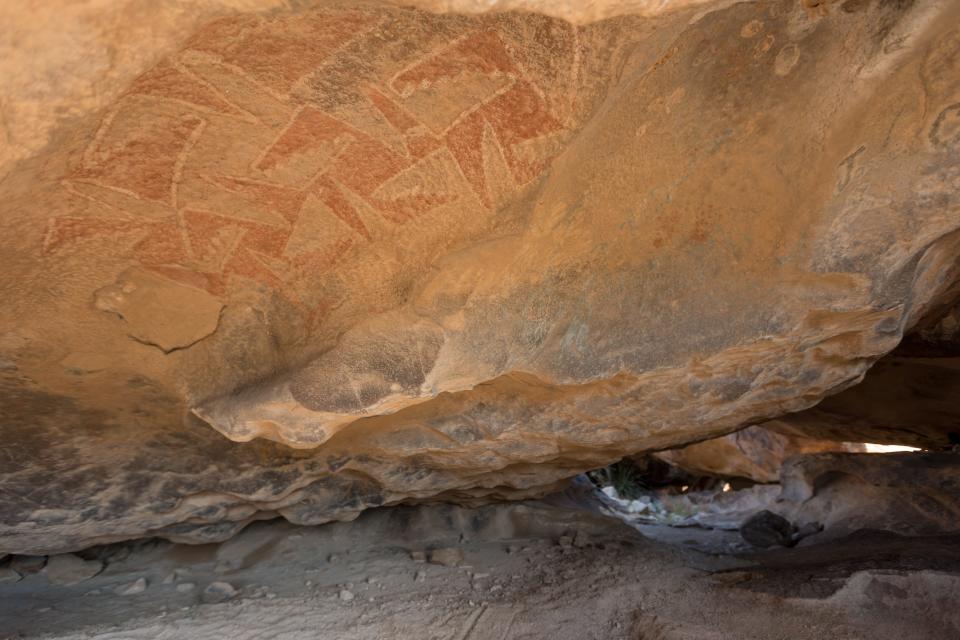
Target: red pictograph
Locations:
point(434, 121)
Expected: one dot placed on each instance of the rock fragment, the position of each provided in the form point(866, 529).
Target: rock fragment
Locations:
point(216, 592)
point(581, 540)
point(131, 589)
point(767, 529)
point(26, 565)
point(448, 556)
point(9, 575)
point(68, 569)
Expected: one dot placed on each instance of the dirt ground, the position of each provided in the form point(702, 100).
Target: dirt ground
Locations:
point(513, 571)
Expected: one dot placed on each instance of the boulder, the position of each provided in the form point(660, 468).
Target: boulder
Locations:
point(308, 261)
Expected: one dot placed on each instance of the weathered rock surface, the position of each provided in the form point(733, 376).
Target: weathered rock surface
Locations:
point(909, 397)
point(754, 453)
point(906, 493)
point(9, 575)
point(61, 60)
point(134, 588)
point(27, 565)
point(69, 569)
point(873, 596)
point(902, 400)
point(820, 496)
point(406, 256)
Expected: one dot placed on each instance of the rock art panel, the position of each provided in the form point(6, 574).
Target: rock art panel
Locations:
point(385, 157)
point(339, 256)
point(64, 60)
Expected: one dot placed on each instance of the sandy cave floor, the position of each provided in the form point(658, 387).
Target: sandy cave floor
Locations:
point(529, 570)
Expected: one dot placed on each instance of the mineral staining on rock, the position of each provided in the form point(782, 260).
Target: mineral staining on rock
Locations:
point(268, 148)
point(457, 257)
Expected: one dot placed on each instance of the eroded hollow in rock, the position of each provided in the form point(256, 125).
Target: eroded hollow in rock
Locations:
point(545, 311)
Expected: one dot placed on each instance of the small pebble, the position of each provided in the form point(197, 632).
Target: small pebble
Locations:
point(346, 595)
point(418, 556)
point(421, 576)
point(184, 587)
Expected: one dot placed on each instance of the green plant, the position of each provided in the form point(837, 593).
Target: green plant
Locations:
point(622, 476)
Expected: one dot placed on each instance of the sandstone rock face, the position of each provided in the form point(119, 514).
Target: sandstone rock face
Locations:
point(336, 257)
point(909, 397)
point(62, 60)
point(906, 493)
point(903, 400)
point(754, 453)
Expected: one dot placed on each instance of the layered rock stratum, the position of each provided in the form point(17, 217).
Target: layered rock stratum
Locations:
point(307, 260)
point(754, 453)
